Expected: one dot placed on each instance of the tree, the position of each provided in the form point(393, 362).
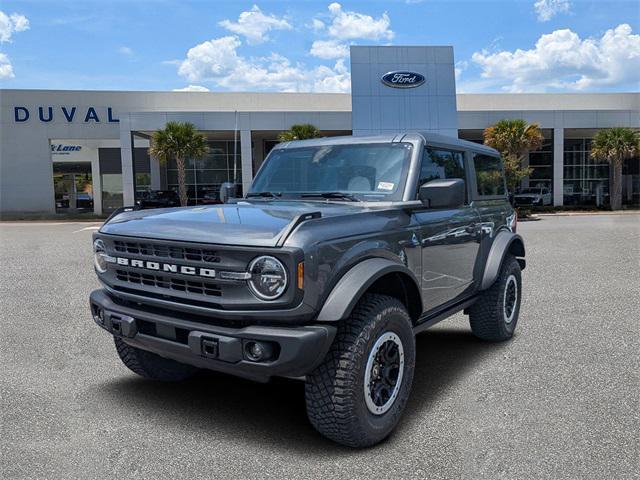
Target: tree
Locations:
point(179, 141)
point(614, 146)
point(514, 139)
point(299, 132)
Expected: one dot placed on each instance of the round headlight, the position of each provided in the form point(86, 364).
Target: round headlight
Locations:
point(99, 256)
point(268, 277)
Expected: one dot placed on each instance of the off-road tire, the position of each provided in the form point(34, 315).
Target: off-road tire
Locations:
point(334, 391)
point(487, 316)
point(152, 366)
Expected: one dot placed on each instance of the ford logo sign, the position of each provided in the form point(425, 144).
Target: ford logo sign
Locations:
point(401, 79)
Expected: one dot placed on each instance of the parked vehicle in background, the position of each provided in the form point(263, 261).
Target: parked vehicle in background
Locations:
point(341, 252)
point(159, 199)
point(536, 196)
point(210, 197)
point(83, 201)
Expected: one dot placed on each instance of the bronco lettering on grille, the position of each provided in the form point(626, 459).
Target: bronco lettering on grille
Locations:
point(166, 267)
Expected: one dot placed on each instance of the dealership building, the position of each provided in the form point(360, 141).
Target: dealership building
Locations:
point(73, 151)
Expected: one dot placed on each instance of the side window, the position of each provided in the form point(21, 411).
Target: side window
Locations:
point(489, 175)
point(438, 163)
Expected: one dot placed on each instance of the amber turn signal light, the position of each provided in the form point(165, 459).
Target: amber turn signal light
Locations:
point(301, 275)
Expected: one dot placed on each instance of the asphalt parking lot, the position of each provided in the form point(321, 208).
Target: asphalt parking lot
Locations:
point(561, 400)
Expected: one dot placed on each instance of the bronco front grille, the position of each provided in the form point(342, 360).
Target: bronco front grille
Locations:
point(167, 251)
point(169, 283)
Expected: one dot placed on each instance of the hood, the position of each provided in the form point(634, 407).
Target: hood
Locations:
point(259, 223)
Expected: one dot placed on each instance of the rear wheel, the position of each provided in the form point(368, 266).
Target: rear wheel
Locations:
point(152, 366)
point(495, 315)
point(357, 395)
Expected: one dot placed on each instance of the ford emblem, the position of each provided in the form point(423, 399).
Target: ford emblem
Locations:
point(402, 79)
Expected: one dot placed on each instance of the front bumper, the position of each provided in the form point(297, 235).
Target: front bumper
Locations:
point(298, 350)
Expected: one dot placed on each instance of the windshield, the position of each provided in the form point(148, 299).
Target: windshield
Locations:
point(368, 172)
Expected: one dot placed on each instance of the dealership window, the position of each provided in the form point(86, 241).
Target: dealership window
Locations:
point(541, 161)
point(490, 180)
point(73, 187)
point(111, 178)
point(204, 176)
point(631, 182)
point(142, 169)
point(586, 180)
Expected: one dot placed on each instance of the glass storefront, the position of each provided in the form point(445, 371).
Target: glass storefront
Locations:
point(542, 163)
point(204, 176)
point(586, 180)
point(111, 179)
point(631, 182)
point(73, 187)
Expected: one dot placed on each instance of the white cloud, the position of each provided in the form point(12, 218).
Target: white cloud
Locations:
point(6, 69)
point(218, 61)
point(547, 9)
point(127, 51)
point(317, 25)
point(210, 59)
point(192, 88)
point(460, 67)
point(336, 79)
point(346, 25)
point(329, 49)
point(562, 60)
point(254, 25)
point(10, 24)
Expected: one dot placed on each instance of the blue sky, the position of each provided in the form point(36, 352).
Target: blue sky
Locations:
point(500, 46)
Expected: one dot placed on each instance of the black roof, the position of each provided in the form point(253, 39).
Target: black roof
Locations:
point(429, 137)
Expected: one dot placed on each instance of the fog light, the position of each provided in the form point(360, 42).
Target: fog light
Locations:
point(258, 351)
point(98, 315)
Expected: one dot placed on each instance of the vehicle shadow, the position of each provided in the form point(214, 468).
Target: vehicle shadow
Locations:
point(274, 413)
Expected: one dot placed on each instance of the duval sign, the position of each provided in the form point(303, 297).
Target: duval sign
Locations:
point(402, 79)
point(65, 113)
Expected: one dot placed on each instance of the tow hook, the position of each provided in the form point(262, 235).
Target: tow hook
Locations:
point(115, 323)
point(121, 325)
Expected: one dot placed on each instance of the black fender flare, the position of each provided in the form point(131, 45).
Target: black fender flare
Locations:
point(346, 293)
point(504, 242)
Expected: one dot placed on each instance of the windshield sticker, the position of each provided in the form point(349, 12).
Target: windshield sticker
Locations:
point(385, 186)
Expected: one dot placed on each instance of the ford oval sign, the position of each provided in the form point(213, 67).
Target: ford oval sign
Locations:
point(402, 79)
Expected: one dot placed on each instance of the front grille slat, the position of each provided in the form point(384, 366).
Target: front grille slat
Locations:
point(168, 283)
point(163, 251)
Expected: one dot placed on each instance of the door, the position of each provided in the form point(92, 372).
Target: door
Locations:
point(449, 238)
point(73, 187)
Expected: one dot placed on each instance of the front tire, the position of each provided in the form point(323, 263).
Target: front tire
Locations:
point(357, 395)
point(152, 366)
point(495, 314)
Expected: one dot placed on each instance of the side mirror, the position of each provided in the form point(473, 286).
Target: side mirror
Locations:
point(442, 193)
point(227, 191)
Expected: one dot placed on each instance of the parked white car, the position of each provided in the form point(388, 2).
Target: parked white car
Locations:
point(533, 196)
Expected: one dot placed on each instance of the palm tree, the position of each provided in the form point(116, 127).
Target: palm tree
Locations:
point(179, 141)
point(514, 139)
point(299, 132)
point(614, 146)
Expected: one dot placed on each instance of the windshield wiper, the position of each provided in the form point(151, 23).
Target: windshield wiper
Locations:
point(264, 194)
point(342, 195)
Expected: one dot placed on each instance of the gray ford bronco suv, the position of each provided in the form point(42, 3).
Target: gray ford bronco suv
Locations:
point(341, 252)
